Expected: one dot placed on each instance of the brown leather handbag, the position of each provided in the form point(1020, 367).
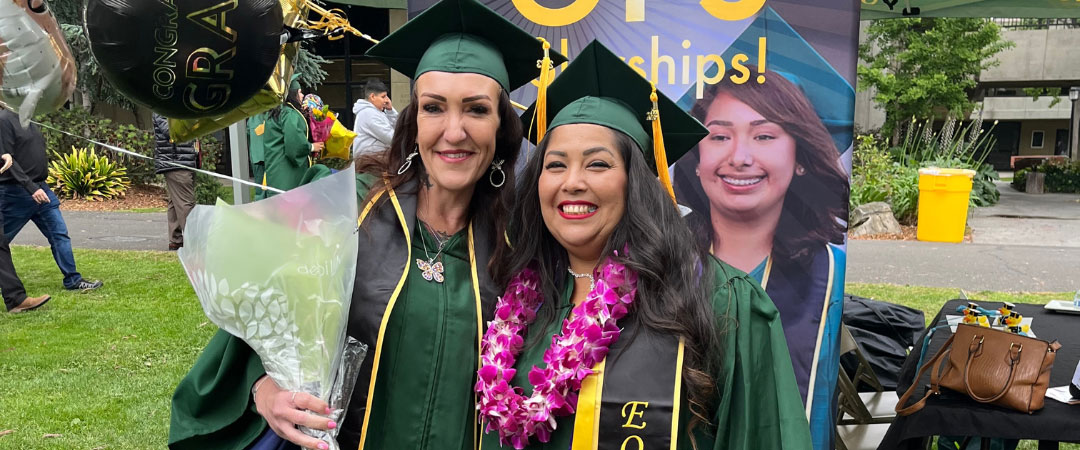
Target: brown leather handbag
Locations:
point(990, 366)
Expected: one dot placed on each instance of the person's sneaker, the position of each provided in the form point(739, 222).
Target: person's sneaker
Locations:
point(175, 247)
point(31, 303)
point(86, 285)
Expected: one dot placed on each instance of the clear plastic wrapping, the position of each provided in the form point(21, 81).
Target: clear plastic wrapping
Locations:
point(279, 274)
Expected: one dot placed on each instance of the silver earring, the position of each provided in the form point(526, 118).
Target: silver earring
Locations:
point(496, 167)
point(408, 160)
point(800, 171)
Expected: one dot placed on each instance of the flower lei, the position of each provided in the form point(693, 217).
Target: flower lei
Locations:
point(583, 343)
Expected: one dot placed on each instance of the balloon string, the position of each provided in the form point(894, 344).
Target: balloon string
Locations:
point(331, 20)
point(169, 163)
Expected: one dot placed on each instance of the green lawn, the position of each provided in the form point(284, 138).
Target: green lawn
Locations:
point(98, 369)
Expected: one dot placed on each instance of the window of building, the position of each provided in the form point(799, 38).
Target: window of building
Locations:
point(1037, 139)
point(348, 68)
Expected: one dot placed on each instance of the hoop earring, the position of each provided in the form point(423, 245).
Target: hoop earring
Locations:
point(496, 167)
point(408, 160)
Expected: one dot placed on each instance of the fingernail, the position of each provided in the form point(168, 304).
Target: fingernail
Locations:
point(328, 411)
point(331, 425)
point(323, 446)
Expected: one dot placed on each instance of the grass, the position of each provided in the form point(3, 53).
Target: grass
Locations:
point(98, 369)
point(930, 299)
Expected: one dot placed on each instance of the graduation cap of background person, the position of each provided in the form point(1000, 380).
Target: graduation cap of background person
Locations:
point(464, 36)
point(599, 88)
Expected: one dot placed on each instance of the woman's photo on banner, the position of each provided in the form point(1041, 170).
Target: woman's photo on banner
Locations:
point(769, 196)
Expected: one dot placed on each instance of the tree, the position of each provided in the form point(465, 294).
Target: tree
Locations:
point(924, 66)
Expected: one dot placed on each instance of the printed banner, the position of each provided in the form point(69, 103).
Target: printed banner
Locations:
point(772, 80)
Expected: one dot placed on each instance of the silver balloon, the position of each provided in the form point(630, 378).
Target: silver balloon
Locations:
point(37, 71)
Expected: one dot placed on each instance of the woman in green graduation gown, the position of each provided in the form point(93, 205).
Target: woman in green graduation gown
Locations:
point(286, 145)
point(433, 218)
point(616, 331)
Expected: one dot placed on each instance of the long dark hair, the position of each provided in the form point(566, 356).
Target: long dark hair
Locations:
point(675, 277)
point(815, 202)
point(488, 205)
point(291, 101)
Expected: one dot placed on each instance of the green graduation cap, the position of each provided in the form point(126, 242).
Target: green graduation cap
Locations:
point(294, 82)
point(464, 36)
point(599, 88)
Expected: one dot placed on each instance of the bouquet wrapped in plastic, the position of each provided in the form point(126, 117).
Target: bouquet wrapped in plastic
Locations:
point(326, 128)
point(279, 274)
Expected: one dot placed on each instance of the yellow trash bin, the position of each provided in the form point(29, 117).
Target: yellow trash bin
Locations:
point(943, 204)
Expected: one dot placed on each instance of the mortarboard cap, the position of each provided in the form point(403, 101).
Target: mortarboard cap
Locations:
point(599, 88)
point(464, 36)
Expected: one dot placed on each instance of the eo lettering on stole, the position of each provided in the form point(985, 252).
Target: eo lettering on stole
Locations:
point(634, 441)
point(206, 68)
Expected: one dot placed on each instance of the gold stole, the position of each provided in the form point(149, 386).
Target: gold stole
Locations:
point(632, 401)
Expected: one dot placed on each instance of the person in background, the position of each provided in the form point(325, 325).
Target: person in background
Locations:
point(25, 196)
point(172, 161)
point(375, 118)
point(11, 286)
point(287, 143)
point(256, 126)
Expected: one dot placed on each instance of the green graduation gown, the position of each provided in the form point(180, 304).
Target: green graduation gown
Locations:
point(286, 148)
point(430, 354)
point(256, 127)
point(758, 404)
point(426, 348)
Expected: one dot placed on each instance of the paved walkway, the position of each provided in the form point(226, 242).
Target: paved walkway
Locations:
point(107, 230)
point(975, 267)
point(1025, 243)
point(1046, 220)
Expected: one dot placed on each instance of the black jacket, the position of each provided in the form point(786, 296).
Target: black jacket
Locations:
point(165, 150)
point(27, 148)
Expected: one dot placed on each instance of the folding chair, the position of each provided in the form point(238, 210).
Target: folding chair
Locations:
point(863, 417)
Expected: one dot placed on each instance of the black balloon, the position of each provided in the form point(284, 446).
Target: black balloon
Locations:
point(186, 59)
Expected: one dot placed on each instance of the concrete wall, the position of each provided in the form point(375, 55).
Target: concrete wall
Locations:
point(1023, 108)
point(1042, 55)
point(868, 116)
point(1049, 129)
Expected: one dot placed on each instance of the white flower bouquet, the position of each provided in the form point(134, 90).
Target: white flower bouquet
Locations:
point(279, 274)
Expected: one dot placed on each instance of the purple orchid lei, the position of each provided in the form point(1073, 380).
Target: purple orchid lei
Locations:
point(584, 342)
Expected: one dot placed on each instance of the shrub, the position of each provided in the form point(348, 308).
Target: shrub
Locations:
point(83, 173)
point(209, 188)
point(1061, 176)
point(876, 177)
point(80, 122)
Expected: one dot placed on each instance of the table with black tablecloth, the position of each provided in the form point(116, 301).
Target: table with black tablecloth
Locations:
point(954, 414)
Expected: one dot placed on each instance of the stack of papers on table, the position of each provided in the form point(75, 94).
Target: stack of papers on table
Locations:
point(1062, 395)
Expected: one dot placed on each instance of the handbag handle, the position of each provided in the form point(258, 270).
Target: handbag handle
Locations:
point(901, 410)
point(973, 349)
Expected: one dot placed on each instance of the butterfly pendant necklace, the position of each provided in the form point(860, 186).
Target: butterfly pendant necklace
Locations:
point(430, 269)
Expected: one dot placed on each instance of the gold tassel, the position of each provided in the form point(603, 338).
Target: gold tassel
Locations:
point(546, 74)
point(659, 153)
